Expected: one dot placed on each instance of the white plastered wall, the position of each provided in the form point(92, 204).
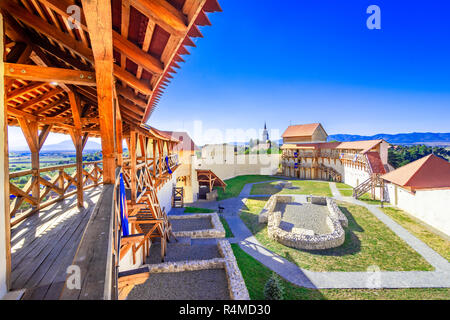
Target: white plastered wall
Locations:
point(430, 206)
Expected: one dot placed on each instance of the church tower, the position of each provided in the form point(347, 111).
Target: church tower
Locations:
point(265, 135)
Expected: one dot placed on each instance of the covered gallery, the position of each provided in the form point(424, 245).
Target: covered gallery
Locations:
point(89, 68)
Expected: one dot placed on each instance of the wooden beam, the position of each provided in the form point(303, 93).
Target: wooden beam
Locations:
point(51, 105)
point(24, 90)
point(22, 114)
point(49, 74)
point(44, 134)
point(163, 14)
point(130, 95)
point(32, 102)
point(75, 105)
point(51, 31)
point(136, 54)
point(99, 22)
point(131, 80)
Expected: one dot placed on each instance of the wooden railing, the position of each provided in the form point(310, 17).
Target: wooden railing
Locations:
point(54, 184)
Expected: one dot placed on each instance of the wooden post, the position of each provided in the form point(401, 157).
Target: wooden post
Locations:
point(119, 136)
point(5, 229)
point(78, 143)
point(30, 131)
point(99, 23)
point(133, 160)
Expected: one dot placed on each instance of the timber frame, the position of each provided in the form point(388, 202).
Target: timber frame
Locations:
point(97, 74)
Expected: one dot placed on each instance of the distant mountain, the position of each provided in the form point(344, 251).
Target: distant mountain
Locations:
point(428, 138)
point(66, 145)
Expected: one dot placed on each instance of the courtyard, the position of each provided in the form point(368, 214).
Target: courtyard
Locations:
point(411, 259)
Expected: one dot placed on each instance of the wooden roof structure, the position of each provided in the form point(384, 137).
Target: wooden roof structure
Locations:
point(55, 64)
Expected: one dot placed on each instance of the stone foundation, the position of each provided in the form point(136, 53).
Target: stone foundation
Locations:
point(270, 206)
point(302, 238)
point(217, 230)
point(236, 284)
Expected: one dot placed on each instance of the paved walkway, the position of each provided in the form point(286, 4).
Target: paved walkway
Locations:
point(322, 280)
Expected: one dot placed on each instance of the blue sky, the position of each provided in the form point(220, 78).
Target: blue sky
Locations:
point(316, 61)
point(302, 61)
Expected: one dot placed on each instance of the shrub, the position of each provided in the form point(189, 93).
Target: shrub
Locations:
point(273, 289)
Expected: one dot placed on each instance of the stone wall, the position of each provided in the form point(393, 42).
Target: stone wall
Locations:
point(270, 206)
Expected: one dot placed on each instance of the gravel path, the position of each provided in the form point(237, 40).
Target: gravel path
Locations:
point(191, 224)
point(189, 285)
point(440, 278)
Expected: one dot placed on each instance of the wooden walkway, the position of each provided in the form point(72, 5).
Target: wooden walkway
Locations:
point(44, 245)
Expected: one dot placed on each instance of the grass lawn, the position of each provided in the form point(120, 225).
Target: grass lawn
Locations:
point(344, 189)
point(256, 275)
point(197, 210)
point(413, 225)
point(299, 187)
point(367, 242)
point(228, 232)
point(235, 185)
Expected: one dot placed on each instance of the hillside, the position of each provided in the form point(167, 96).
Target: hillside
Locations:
point(66, 145)
point(428, 138)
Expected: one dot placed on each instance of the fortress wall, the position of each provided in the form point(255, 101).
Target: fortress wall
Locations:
point(240, 165)
point(429, 206)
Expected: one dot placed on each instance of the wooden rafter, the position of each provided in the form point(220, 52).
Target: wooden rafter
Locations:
point(49, 74)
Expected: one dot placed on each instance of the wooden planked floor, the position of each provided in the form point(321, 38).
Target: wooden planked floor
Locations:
point(44, 245)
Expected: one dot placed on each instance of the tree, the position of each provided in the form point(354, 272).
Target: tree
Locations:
point(273, 289)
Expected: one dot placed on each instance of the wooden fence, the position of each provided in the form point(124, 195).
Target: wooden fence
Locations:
point(54, 184)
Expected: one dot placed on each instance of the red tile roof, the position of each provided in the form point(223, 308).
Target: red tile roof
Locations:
point(425, 173)
point(364, 145)
point(375, 162)
point(301, 130)
point(186, 143)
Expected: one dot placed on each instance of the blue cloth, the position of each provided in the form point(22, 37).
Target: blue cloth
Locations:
point(168, 166)
point(123, 208)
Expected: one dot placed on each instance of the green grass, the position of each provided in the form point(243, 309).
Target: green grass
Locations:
point(197, 210)
point(344, 189)
point(256, 275)
point(367, 198)
point(299, 187)
point(235, 185)
point(367, 242)
point(413, 225)
point(228, 232)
